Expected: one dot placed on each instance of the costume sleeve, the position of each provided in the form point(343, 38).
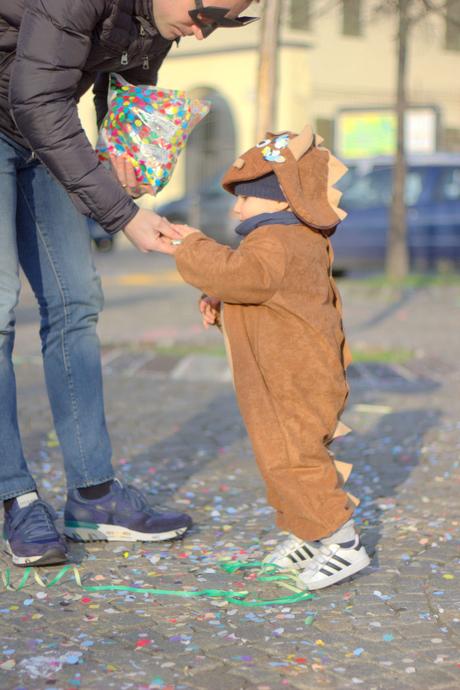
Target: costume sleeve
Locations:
point(53, 45)
point(250, 274)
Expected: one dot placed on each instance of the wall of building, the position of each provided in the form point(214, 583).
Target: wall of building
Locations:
point(321, 71)
point(353, 71)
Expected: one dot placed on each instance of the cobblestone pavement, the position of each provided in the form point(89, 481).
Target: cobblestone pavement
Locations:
point(177, 434)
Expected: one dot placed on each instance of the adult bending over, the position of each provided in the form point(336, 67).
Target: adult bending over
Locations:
point(51, 52)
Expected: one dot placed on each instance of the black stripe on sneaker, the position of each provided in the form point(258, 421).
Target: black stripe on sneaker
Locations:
point(300, 554)
point(341, 560)
point(330, 564)
point(349, 544)
point(307, 551)
point(292, 557)
point(325, 572)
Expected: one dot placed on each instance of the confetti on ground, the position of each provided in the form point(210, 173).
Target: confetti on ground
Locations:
point(397, 626)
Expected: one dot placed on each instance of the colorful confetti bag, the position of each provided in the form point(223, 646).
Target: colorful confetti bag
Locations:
point(150, 126)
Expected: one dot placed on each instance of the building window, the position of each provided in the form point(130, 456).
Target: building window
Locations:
point(352, 17)
point(300, 15)
point(450, 139)
point(325, 128)
point(211, 147)
point(453, 25)
point(449, 188)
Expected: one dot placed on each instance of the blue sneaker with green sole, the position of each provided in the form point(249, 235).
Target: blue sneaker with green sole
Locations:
point(29, 533)
point(123, 514)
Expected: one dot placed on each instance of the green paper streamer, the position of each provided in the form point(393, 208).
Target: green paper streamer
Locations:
point(238, 598)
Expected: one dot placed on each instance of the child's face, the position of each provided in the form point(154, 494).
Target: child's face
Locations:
point(250, 206)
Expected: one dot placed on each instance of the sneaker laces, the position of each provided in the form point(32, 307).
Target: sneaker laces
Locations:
point(133, 496)
point(37, 520)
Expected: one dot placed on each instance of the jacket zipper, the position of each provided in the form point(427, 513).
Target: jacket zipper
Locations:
point(145, 61)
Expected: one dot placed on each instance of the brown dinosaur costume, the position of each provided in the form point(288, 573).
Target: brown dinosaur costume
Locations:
point(284, 331)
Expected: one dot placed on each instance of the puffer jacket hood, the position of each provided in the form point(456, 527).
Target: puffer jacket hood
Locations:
point(51, 52)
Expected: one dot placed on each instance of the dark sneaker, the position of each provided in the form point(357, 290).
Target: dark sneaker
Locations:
point(29, 533)
point(122, 515)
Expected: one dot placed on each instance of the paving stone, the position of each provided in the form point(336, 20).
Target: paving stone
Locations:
point(397, 627)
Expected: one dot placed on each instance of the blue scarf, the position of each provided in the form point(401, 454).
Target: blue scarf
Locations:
point(280, 218)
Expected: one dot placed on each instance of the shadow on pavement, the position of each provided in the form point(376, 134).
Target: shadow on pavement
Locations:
point(384, 458)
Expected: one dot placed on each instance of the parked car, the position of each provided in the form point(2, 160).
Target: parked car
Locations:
point(209, 209)
point(433, 212)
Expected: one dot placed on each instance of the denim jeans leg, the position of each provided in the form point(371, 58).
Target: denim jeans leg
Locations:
point(15, 478)
point(55, 253)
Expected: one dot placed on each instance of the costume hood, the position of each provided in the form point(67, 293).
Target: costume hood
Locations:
point(306, 172)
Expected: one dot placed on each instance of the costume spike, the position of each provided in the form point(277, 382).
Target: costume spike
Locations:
point(300, 144)
point(337, 170)
point(340, 213)
point(239, 163)
point(341, 430)
point(343, 472)
point(353, 499)
point(334, 195)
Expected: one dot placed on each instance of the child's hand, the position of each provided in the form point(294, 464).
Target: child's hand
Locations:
point(181, 231)
point(210, 311)
point(184, 230)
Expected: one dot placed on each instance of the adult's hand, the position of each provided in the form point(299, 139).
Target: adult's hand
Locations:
point(149, 232)
point(124, 171)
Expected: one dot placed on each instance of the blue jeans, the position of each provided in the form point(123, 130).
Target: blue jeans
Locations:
point(41, 231)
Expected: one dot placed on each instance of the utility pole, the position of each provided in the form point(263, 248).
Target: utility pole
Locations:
point(267, 89)
point(397, 259)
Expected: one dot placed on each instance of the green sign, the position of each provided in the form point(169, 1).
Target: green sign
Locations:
point(366, 134)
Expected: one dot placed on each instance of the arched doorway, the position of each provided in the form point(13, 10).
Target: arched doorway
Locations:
point(211, 147)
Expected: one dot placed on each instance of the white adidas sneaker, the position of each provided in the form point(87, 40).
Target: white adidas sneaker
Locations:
point(333, 563)
point(292, 553)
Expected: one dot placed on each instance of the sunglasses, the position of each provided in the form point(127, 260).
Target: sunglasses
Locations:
point(208, 19)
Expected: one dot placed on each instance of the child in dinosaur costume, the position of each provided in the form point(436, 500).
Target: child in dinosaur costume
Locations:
point(283, 328)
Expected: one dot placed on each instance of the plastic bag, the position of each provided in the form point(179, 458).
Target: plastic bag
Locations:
point(150, 126)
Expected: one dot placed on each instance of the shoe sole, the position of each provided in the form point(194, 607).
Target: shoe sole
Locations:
point(87, 532)
point(351, 570)
point(53, 556)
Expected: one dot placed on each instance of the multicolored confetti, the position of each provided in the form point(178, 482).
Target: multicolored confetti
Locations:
point(150, 126)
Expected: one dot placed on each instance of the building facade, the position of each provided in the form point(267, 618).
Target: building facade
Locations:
point(334, 58)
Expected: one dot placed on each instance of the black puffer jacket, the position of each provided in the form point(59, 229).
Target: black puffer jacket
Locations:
point(51, 52)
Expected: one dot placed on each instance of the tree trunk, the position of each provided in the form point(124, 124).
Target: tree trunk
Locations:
point(397, 259)
point(267, 89)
